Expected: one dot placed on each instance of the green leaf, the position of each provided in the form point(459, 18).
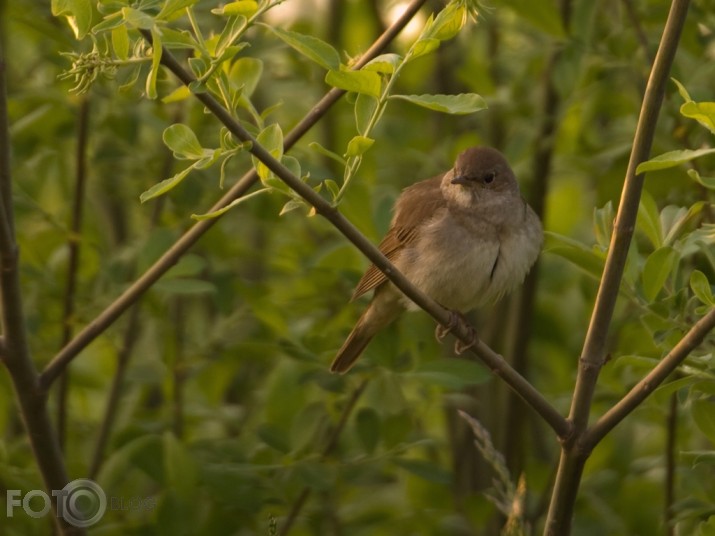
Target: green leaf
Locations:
point(291, 205)
point(366, 82)
point(155, 63)
point(603, 224)
point(657, 268)
point(703, 412)
point(365, 108)
point(464, 103)
point(367, 425)
point(649, 220)
point(245, 73)
point(165, 185)
point(183, 142)
point(137, 19)
point(271, 138)
point(177, 39)
point(179, 94)
point(240, 7)
point(702, 112)
point(448, 22)
point(120, 42)
point(235, 202)
point(708, 182)
point(683, 92)
point(232, 30)
point(421, 48)
point(671, 159)
point(700, 286)
point(579, 254)
point(359, 145)
point(674, 226)
point(326, 152)
point(171, 7)
point(292, 164)
point(311, 47)
point(384, 63)
point(78, 14)
point(452, 374)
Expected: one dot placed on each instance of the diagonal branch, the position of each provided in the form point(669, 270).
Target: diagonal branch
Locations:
point(107, 317)
point(650, 382)
point(463, 331)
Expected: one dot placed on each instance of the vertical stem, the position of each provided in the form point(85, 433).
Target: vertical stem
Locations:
point(574, 455)
point(16, 357)
point(75, 245)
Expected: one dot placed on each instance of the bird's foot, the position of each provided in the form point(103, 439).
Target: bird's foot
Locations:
point(442, 331)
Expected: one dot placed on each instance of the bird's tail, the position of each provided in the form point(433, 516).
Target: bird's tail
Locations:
point(353, 346)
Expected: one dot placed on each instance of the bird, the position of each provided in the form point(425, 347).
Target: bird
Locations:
point(465, 238)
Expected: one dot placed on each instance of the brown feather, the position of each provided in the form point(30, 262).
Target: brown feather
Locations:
point(427, 197)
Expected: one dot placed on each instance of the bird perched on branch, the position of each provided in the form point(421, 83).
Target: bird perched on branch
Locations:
point(465, 238)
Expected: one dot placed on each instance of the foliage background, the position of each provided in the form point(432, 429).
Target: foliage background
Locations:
point(227, 403)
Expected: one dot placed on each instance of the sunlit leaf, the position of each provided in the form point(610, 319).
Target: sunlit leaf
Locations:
point(448, 22)
point(232, 204)
point(358, 145)
point(384, 63)
point(422, 48)
point(165, 185)
point(155, 63)
point(671, 159)
point(464, 103)
point(240, 7)
point(245, 73)
point(182, 141)
point(179, 94)
point(291, 205)
point(367, 82)
point(120, 42)
point(365, 108)
point(78, 14)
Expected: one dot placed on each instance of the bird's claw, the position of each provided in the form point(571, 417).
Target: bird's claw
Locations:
point(442, 331)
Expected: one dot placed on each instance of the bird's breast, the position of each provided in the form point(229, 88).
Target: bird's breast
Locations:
point(464, 264)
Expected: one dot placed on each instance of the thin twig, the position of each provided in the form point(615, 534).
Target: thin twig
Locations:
point(74, 243)
point(32, 401)
point(651, 381)
point(575, 452)
point(192, 235)
point(330, 445)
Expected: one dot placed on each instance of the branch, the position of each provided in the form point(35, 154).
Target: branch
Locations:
point(651, 381)
point(463, 331)
point(16, 352)
point(327, 450)
point(74, 242)
point(576, 451)
point(107, 317)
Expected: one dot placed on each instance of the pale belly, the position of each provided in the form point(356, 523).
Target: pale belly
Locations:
point(463, 268)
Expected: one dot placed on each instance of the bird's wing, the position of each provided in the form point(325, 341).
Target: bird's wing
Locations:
point(415, 205)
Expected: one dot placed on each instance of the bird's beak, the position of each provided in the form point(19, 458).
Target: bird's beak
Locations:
point(460, 179)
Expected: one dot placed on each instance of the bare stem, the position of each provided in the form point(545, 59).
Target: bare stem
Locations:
point(107, 317)
point(74, 244)
point(576, 451)
point(32, 400)
point(327, 450)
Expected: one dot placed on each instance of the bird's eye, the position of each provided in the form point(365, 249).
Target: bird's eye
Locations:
point(489, 177)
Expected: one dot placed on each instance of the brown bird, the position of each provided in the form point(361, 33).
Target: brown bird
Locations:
point(464, 238)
